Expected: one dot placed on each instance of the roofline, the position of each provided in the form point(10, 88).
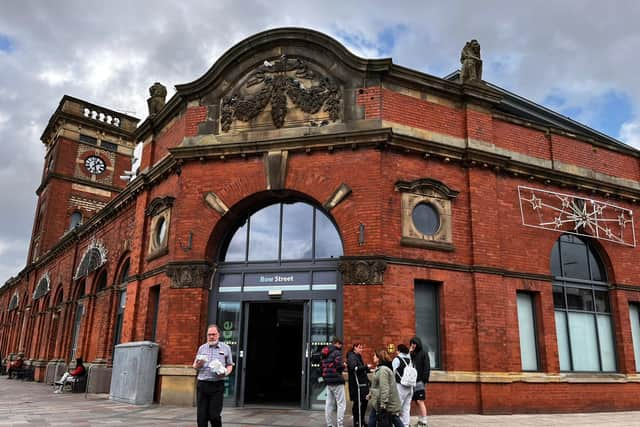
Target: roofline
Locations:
point(58, 112)
point(546, 114)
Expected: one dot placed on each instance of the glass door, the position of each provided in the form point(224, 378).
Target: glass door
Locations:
point(320, 328)
point(228, 320)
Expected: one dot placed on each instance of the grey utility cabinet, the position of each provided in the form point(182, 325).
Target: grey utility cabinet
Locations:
point(134, 372)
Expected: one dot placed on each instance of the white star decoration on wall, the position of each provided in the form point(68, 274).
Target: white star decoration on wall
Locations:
point(576, 215)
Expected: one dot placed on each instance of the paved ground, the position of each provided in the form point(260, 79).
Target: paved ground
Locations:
point(34, 404)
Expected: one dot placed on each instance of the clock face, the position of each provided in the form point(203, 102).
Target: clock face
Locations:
point(94, 165)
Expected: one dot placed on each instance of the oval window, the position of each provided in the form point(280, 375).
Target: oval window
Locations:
point(161, 231)
point(426, 218)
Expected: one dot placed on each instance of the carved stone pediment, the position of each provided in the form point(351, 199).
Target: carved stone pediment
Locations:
point(362, 271)
point(282, 89)
point(189, 275)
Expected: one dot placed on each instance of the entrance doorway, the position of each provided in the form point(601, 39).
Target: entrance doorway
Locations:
point(273, 361)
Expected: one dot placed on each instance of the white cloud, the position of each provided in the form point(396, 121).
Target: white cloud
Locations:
point(4, 119)
point(56, 77)
point(630, 133)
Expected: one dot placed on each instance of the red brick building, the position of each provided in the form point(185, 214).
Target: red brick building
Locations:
point(296, 191)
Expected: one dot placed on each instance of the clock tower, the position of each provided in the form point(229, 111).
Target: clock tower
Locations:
point(88, 148)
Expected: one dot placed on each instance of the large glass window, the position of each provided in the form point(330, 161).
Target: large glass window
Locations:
point(427, 319)
point(75, 332)
point(634, 316)
point(527, 330)
point(583, 315)
point(122, 302)
point(285, 232)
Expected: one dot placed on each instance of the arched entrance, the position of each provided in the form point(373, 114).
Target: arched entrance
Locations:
point(277, 298)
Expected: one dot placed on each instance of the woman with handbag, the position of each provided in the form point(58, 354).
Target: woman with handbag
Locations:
point(383, 396)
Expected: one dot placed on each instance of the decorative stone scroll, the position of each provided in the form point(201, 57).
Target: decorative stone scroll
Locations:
point(362, 272)
point(566, 213)
point(189, 275)
point(274, 82)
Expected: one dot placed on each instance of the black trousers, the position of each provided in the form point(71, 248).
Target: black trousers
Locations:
point(358, 412)
point(210, 396)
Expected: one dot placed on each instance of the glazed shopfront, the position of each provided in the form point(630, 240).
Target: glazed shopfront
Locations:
point(277, 299)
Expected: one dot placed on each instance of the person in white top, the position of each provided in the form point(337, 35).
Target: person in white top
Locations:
point(401, 361)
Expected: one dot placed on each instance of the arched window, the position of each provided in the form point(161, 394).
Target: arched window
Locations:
point(101, 282)
point(124, 272)
point(285, 232)
point(76, 220)
point(42, 288)
point(13, 303)
point(582, 310)
point(94, 258)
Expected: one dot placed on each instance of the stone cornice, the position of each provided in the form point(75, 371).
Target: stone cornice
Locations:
point(75, 180)
point(326, 142)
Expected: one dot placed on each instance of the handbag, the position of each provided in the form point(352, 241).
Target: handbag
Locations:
point(384, 419)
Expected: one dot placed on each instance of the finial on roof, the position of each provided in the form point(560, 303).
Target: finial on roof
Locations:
point(157, 100)
point(471, 70)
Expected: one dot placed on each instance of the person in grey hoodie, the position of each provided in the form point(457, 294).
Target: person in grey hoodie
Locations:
point(420, 359)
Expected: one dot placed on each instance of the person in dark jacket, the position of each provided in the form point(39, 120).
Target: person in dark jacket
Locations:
point(358, 384)
point(16, 365)
point(420, 359)
point(332, 367)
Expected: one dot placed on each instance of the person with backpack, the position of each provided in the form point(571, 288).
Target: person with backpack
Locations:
point(420, 359)
point(358, 384)
point(332, 367)
point(405, 375)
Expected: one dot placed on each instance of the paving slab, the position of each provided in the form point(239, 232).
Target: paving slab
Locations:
point(24, 403)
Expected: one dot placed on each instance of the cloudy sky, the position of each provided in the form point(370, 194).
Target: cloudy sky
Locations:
point(580, 58)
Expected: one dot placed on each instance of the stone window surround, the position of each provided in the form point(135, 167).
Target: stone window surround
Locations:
point(437, 195)
point(160, 211)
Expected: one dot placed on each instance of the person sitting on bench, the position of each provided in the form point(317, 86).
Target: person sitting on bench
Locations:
point(14, 366)
point(70, 376)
